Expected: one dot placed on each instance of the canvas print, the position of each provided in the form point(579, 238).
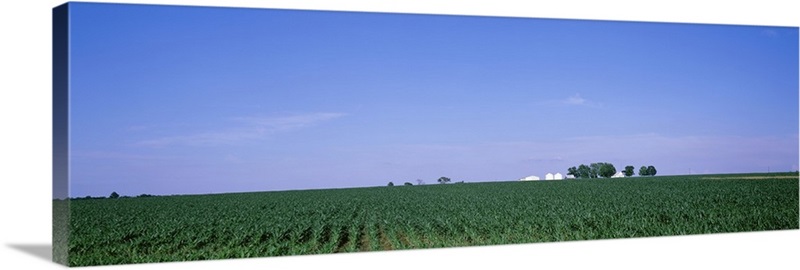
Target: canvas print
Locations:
point(195, 133)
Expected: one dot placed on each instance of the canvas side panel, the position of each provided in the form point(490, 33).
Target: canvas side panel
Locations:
point(61, 134)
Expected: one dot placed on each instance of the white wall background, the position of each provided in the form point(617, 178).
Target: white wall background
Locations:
point(25, 85)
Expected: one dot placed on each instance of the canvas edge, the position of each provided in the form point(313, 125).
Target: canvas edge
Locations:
point(60, 105)
point(60, 143)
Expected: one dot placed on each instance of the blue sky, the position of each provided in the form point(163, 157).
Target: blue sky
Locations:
point(185, 100)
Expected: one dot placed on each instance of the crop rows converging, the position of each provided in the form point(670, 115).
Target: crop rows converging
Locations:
point(196, 227)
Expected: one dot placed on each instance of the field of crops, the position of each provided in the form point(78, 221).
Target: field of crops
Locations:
point(176, 228)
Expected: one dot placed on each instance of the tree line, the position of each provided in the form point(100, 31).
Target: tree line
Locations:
point(441, 180)
point(606, 170)
point(114, 195)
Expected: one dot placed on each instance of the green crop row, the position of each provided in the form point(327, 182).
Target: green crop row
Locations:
point(239, 225)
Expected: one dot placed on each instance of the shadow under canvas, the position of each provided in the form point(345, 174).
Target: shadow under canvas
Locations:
point(41, 251)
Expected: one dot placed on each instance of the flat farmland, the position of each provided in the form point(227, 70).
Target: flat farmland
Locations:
point(259, 224)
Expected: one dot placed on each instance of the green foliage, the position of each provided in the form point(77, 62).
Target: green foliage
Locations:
point(584, 171)
point(390, 184)
point(88, 198)
point(651, 171)
point(114, 195)
point(643, 171)
point(443, 180)
point(258, 224)
point(573, 171)
point(408, 184)
point(594, 170)
point(628, 171)
point(647, 171)
point(607, 170)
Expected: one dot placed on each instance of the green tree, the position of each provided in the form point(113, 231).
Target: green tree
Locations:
point(391, 184)
point(651, 171)
point(443, 180)
point(584, 171)
point(595, 169)
point(408, 184)
point(607, 169)
point(643, 171)
point(114, 195)
point(573, 171)
point(628, 171)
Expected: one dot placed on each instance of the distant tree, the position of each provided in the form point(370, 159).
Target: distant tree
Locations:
point(390, 184)
point(408, 184)
point(607, 169)
point(628, 171)
point(651, 171)
point(584, 171)
point(89, 198)
point(594, 170)
point(113, 195)
point(573, 171)
point(643, 171)
point(443, 180)
point(420, 182)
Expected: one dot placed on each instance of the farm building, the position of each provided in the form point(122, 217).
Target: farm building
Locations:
point(548, 176)
point(529, 178)
point(558, 176)
point(618, 175)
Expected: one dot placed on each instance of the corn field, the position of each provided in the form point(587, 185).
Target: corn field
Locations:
point(240, 225)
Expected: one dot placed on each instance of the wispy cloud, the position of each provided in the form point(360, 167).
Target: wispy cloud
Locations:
point(574, 100)
point(285, 123)
point(578, 100)
point(244, 129)
point(116, 155)
point(769, 33)
point(137, 128)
